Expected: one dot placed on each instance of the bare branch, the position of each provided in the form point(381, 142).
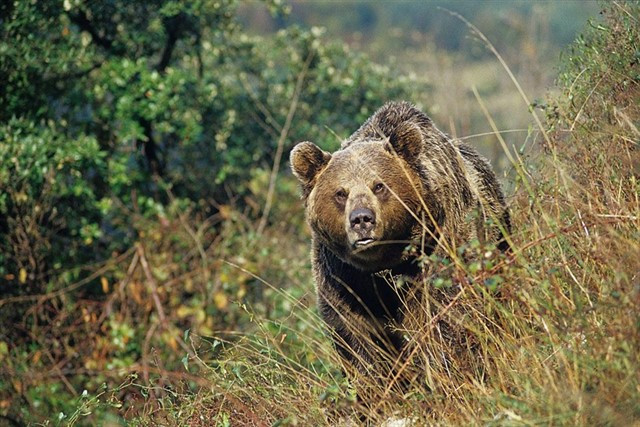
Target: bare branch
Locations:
point(284, 133)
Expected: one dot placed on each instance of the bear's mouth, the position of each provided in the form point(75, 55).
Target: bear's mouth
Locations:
point(361, 243)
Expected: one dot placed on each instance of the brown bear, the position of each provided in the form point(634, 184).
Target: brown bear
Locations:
point(396, 183)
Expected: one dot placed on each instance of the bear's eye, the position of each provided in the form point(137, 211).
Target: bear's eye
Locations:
point(341, 195)
point(378, 188)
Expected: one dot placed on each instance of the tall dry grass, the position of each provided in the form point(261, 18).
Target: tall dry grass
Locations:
point(547, 334)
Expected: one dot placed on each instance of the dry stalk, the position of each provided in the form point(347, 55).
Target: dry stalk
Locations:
point(284, 133)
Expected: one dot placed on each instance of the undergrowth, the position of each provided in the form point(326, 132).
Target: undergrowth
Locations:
point(225, 330)
point(557, 332)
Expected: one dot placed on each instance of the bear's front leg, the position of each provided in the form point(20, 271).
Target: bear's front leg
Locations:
point(356, 337)
point(360, 309)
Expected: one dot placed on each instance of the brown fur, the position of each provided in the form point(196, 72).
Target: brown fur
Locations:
point(411, 185)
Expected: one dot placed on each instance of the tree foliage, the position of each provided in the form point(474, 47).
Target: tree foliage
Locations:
point(121, 102)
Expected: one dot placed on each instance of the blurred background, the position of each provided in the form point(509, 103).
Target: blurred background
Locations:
point(442, 57)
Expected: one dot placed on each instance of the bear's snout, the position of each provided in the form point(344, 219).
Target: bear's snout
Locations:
point(362, 219)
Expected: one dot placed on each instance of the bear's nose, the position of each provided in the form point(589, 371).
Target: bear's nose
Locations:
point(362, 219)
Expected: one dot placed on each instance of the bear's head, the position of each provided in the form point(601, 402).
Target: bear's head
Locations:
point(364, 202)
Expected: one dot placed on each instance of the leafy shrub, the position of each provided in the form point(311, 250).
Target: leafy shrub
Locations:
point(49, 210)
point(176, 96)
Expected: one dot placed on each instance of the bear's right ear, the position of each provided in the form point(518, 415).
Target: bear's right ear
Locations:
point(307, 159)
point(406, 141)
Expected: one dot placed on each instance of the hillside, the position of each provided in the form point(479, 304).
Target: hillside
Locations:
point(154, 263)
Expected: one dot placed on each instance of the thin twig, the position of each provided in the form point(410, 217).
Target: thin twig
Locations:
point(263, 109)
point(145, 354)
point(43, 297)
point(152, 283)
point(123, 284)
point(477, 135)
point(280, 148)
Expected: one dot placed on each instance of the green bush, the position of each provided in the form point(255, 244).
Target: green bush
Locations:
point(174, 97)
point(49, 211)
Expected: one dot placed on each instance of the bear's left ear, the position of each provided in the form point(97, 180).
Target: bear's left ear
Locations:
point(406, 140)
point(307, 159)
